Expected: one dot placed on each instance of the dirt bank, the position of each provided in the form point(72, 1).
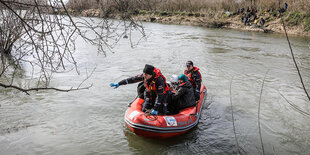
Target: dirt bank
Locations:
point(273, 22)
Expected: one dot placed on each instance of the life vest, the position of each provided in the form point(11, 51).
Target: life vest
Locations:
point(152, 86)
point(190, 73)
point(182, 84)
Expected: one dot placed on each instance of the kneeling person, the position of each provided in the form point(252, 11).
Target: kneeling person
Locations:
point(153, 89)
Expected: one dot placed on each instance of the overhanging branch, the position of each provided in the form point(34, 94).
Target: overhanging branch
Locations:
point(43, 88)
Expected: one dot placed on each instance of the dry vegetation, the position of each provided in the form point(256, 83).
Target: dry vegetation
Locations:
point(201, 6)
point(297, 16)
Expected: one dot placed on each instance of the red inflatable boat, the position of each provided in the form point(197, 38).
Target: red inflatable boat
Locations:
point(163, 126)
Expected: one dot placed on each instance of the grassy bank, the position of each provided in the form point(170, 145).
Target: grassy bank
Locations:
point(207, 13)
point(297, 23)
point(201, 6)
point(298, 19)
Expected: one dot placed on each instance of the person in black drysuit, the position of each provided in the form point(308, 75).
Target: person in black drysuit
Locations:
point(154, 89)
point(183, 97)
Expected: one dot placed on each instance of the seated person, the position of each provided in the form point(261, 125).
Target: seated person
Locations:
point(183, 96)
point(194, 78)
point(174, 82)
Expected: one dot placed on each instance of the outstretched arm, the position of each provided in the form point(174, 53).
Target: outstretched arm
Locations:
point(128, 81)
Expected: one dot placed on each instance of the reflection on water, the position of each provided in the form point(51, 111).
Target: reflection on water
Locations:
point(91, 121)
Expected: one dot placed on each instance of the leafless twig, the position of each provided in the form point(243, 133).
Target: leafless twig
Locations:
point(233, 118)
point(295, 107)
point(42, 34)
point(43, 88)
point(258, 116)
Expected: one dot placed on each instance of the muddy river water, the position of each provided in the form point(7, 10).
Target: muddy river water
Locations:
point(92, 121)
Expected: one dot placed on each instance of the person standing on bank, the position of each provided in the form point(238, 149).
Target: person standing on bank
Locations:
point(155, 89)
point(194, 78)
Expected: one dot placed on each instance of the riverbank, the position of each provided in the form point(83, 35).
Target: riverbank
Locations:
point(296, 23)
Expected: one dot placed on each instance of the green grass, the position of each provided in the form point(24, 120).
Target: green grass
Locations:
point(292, 18)
point(179, 13)
point(144, 12)
point(268, 19)
point(273, 13)
point(170, 13)
point(295, 18)
point(299, 18)
point(307, 24)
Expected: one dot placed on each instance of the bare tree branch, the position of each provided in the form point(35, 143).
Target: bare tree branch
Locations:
point(233, 118)
point(22, 18)
point(295, 107)
point(42, 88)
point(42, 34)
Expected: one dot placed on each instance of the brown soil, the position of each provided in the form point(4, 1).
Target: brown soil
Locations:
point(210, 20)
point(229, 23)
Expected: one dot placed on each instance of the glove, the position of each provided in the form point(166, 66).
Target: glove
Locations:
point(115, 85)
point(154, 112)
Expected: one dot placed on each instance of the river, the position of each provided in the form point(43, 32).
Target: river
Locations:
point(92, 121)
